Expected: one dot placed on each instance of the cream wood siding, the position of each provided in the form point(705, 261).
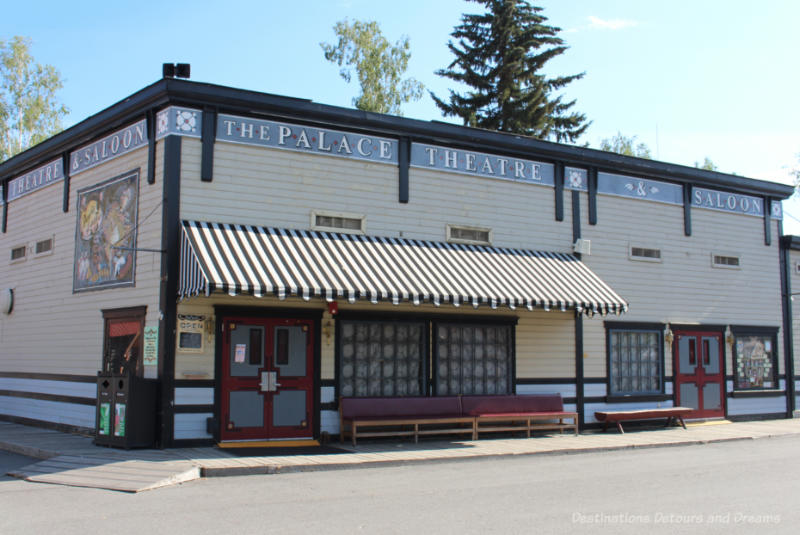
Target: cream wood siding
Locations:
point(794, 282)
point(262, 186)
point(52, 330)
point(545, 340)
point(683, 287)
point(546, 345)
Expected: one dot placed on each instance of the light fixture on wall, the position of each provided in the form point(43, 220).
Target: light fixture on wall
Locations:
point(729, 338)
point(7, 301)
point(668, 336)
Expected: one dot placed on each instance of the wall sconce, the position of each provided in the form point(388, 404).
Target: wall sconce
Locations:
point(7, 301)
point(729, 338)
point(668, 336)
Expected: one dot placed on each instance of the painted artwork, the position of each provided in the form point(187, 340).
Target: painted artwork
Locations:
point(105, 237)
point(754, 362)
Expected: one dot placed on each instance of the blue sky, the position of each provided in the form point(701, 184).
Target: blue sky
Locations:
point(691, 79)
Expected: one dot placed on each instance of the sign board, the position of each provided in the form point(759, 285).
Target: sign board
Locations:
point(150, 350)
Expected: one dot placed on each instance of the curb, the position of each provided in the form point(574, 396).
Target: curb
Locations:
point(271, 469)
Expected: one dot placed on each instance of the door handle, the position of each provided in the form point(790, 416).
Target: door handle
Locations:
point(269, 382)
point(265, 383)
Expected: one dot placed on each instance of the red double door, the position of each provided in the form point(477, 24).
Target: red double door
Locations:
point(267, 379)
point(698, 372)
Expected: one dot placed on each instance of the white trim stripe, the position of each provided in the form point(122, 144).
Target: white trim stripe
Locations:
point(261, 261)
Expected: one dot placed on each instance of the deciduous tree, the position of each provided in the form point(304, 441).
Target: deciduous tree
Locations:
point(29, 109)
point(626, 145)
point(500, 55)
point(379, 66)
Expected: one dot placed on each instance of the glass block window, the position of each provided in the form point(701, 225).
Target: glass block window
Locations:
point(635, 358)
point(381, 358)
point(755, 361)
point(473, 359)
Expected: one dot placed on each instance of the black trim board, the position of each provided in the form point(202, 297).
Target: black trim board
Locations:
point(168, 304)
point(559, 190)
point(580, 406)
point(57, 398)
point(194, 409)
point(687, 209)
point(65, 168)
point(194, 383)
point(64, 428)
point(403, 162)
point(788, 327)
point(50, 377)
point(209, 138)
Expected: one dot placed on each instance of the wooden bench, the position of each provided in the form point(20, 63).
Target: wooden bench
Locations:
point(408, 416)
point(670, 413)
point(415, 416)
point(514, 413)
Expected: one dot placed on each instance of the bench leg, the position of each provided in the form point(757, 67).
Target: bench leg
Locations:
point(353, 432)
point(669, 421)
point(416, 433)
point(680, 419)
point(605, 426)
point(475, 429)
point(619, 426)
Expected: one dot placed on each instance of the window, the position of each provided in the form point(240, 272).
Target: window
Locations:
point(725, 261)
point(470, 235)
point(122, 341)
point(18, 253)
point(393, 358)
point(338, 222)
point(644, 254)
point(382, 358)
point(755, 359)
point(473, 359)
point(43, 247)
point(635, 356)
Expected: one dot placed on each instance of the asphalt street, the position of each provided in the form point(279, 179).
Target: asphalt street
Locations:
point(743, 486)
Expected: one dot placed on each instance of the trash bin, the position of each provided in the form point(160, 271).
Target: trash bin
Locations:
point(126, 411)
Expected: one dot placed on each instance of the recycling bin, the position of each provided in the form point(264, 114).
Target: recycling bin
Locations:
point(126, 411)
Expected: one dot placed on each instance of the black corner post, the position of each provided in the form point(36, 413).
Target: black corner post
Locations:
point(209, 136)
point(788, 334)
point(579, 372)
point(403, 162)
point(767, 220)
point(579, 380)
point(592, 195)
point(65, 168)
point(687, 209)
point(151, 147)
point(5, 206)
point(558, 177)
point(168, 302)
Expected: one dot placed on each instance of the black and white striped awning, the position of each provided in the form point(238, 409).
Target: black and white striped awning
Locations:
point(271, 261)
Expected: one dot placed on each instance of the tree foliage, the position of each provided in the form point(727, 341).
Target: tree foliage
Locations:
point(500, 55)
point(29, 109)
point(626, 145)
point(707, 164)
point(380, 66)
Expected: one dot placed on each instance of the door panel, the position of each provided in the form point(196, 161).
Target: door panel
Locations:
point(699, 377)
point(267, 379)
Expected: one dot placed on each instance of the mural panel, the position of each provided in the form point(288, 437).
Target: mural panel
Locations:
point(105, 234)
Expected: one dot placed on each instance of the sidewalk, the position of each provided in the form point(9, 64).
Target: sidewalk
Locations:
point(74, 460)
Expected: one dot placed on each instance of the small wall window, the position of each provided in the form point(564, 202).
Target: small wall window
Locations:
point(336, 222)
point(635, 357)
point(644, 254)
point(43, 247)
point(728, 261)
point(755, 359)
point(18, 253)
point(471, 235)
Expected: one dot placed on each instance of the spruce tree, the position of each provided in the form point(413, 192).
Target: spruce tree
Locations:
point(500, 55)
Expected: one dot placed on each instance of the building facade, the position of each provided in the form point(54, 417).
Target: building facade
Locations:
point(262, 257)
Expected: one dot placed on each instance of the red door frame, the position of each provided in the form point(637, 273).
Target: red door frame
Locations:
point(700, 377)
point(251, 383)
